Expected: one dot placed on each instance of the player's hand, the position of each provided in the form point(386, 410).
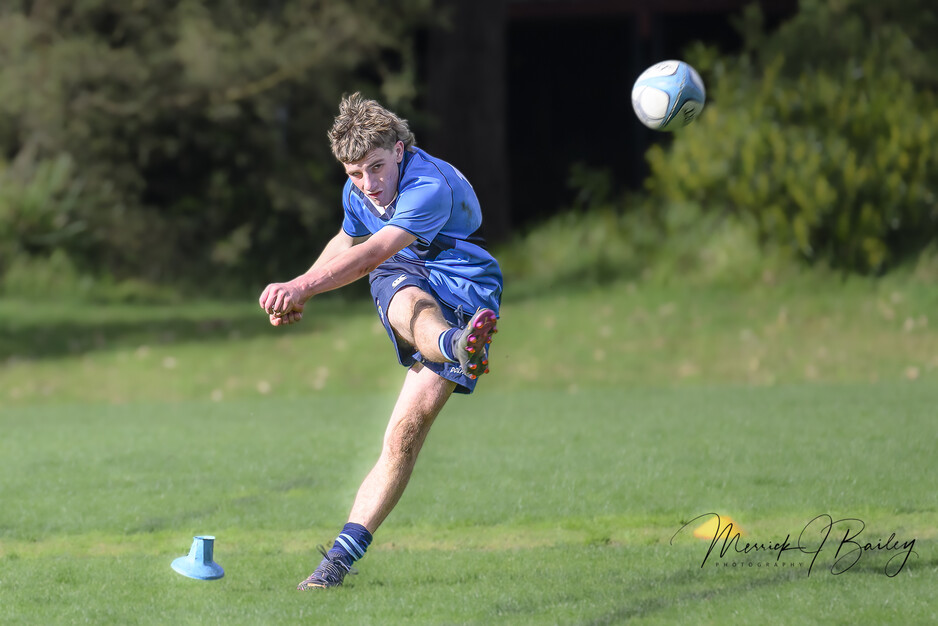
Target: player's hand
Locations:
point(287, 318)
point(282, 301)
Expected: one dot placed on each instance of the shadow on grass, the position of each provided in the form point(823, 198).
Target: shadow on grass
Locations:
point(62, 329)
point(662, 601)
point(691, 579)
point(190, 516)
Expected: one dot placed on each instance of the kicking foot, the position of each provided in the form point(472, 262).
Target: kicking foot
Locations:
point(470, 344)
point(330, 573)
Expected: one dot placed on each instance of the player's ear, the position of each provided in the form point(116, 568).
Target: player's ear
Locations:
point(399, 151)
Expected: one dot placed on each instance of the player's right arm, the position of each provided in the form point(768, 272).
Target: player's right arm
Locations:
point(336, 246)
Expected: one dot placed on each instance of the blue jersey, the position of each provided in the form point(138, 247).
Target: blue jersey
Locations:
point(436, 204)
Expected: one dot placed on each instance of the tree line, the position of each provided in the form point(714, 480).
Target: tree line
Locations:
point(184, 140)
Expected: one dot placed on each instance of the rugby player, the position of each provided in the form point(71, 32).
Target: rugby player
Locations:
point(411, 225)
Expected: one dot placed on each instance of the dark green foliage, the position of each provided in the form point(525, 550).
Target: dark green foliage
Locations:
point(823, 135)
point(186, 139)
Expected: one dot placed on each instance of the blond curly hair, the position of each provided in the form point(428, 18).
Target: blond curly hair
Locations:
point(363, 125)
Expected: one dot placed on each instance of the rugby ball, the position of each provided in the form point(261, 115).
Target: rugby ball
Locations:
point(668, 95)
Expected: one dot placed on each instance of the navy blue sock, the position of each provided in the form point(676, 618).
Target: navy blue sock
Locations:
point(448, 343)
point(351, 543)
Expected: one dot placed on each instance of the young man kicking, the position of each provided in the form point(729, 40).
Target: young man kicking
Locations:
point(410, 224)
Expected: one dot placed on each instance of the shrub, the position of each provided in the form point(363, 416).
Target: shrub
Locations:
point(825, 145)
point(189, 135)
point(605, 238)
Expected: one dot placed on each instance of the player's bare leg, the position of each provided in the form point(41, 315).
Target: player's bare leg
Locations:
point(420, 401)
point(418, 320)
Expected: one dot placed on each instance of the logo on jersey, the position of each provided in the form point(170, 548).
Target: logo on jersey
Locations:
point(397, 281)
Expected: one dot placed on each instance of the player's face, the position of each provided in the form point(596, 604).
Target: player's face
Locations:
point(377, 174)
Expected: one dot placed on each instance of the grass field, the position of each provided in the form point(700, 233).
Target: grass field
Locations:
point(555, 494)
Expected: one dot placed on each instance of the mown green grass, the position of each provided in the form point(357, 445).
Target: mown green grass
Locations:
point(553, 495)
point(532, 507)
point(624, 335)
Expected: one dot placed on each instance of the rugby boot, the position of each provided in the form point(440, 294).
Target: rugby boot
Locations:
point(330, 573)
point(471, 342)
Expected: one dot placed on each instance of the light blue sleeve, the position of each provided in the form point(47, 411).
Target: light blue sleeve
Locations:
point(351, 222)
point(424, 207)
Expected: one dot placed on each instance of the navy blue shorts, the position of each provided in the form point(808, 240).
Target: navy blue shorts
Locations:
point(389, 278)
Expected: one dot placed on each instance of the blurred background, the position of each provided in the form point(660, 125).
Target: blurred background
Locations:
point(154, 150)
point(737, 317)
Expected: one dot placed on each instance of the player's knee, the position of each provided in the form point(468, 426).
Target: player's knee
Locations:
point(404, 442)
point(408, 308)
point(425, 305)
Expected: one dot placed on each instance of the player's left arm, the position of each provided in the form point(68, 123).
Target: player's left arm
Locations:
point(281, 300)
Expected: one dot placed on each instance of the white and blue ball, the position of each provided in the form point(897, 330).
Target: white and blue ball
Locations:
point(668, 95)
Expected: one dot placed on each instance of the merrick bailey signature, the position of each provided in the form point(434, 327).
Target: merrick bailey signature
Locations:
point(813, 540)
